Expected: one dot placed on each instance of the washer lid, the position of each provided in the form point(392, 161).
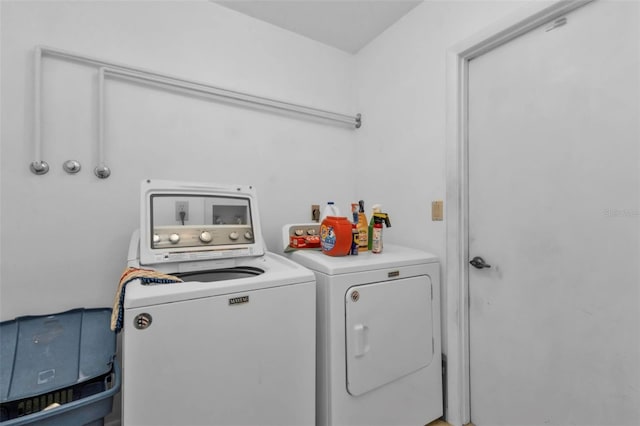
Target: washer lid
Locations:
point(393, 256)
point(278, 272)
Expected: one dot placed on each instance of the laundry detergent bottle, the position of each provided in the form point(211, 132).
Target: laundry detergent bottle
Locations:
point(336, 236)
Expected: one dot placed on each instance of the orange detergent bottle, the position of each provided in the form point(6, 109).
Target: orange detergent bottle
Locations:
point(335, 236)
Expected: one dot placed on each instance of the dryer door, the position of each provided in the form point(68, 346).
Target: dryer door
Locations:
point(389, 331)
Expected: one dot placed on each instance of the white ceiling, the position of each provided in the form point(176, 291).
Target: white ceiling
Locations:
point(346, 24)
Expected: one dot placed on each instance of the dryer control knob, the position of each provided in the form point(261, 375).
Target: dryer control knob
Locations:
point(234, 236)
point(248, 235)
point(156, 238)
point(174, 238)
point(206, 237)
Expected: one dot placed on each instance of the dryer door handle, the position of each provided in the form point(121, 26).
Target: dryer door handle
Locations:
point(361, 332)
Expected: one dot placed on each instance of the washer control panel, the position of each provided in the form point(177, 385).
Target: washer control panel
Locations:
point(185, 221)
point(201, 235)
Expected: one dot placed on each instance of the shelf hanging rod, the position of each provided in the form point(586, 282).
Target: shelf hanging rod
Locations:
point(38, 165)
point(227, 95)
point(134, 73)
point(204, 87)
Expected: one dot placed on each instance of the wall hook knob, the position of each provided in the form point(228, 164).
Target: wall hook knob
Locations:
point(102, 171)
point(39, 167)
point(71, 166)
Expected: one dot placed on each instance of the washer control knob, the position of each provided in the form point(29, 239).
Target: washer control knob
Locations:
point(299, 232)
point(248, 235)
point(311, 232)
point(234, 236)
point(206, 237)
point(156, 238)
point(174, 238)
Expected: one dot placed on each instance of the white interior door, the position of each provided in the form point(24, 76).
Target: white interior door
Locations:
point(554, 188)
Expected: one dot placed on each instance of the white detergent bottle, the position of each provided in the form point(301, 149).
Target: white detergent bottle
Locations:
point(330, 210)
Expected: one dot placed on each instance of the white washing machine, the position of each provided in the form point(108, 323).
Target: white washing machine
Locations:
point(234, 344)
point(378, 336)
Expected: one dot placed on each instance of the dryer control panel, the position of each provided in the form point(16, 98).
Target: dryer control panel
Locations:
point(300, 236)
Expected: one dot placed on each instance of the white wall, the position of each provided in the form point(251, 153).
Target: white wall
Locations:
point(401, 94)
point(65, 237)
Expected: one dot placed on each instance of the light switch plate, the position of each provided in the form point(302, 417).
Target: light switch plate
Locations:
point(437, 210)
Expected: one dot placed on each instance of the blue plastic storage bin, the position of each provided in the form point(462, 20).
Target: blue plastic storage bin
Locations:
point(67, 359)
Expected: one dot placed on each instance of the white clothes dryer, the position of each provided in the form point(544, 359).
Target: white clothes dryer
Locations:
point(234, 344)
point(378, 337)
